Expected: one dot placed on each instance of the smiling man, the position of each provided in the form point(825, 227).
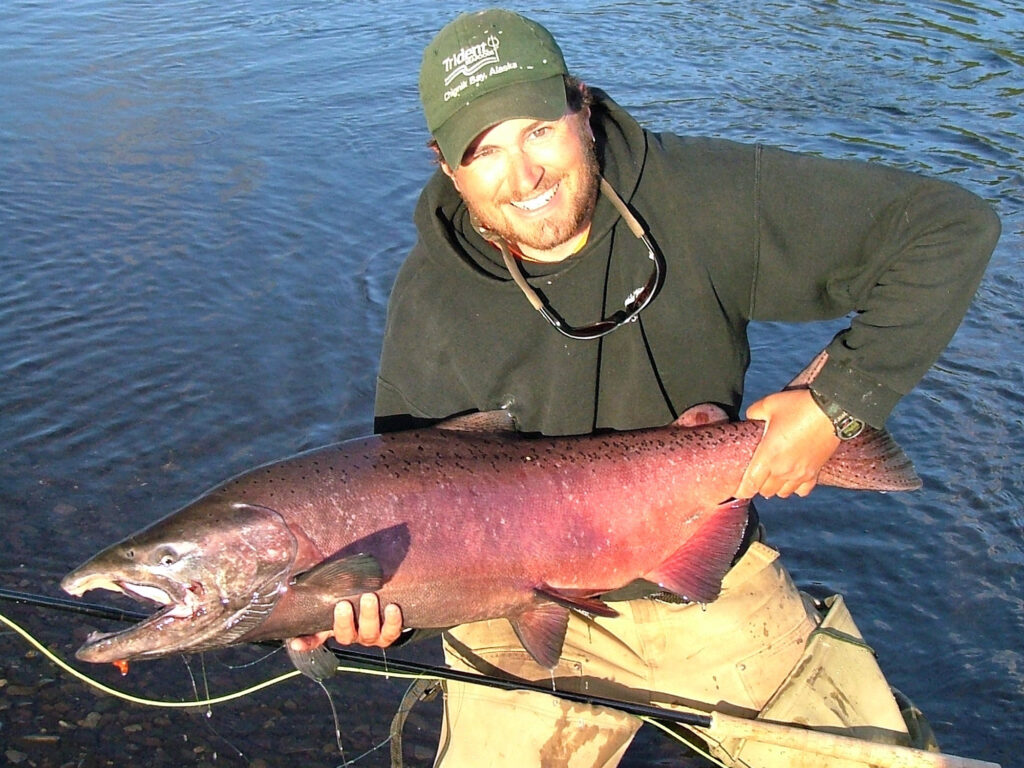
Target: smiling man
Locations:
point(647, 255)
point(533, 183)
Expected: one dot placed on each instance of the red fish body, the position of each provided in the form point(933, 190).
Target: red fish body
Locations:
point(454, 526)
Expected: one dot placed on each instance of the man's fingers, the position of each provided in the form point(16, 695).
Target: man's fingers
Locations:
point(345, 623)
point(752, 480)
point(309, 642)
point(392, 628)
point(369, 619)
point(806, 488)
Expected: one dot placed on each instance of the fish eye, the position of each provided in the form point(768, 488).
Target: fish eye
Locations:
point(166, 557)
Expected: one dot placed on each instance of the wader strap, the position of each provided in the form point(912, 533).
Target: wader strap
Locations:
point(423, 689)
point(842, 637)
point(478, 662)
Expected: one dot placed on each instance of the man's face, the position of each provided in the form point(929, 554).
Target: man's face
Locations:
point(533, 182)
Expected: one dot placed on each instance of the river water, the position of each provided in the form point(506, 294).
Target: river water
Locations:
point(202, 209)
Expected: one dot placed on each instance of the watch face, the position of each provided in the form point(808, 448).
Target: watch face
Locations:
point(848, 427)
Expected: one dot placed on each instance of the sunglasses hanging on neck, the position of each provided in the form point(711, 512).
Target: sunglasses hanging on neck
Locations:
point(634, 304)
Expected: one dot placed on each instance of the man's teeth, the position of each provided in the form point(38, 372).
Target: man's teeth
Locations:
point(537, 202)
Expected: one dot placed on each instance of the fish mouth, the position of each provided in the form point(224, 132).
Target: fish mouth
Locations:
point(186, 604)
point(182, 613)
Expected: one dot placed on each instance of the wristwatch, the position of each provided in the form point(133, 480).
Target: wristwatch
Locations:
point(846, 425)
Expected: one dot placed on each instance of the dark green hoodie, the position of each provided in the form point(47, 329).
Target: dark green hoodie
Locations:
point(748, 232)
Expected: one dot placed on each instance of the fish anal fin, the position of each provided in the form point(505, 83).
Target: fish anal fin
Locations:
point(695, 570)
point(541, 630)
point(576, 600)
point(343, 576)
point(318, 663)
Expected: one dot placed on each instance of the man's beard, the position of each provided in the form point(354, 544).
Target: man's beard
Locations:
point(551, 232)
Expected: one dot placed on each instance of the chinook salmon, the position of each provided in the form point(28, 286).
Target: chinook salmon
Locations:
point(454, 524)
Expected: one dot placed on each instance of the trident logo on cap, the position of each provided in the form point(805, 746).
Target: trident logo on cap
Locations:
point(471, 59)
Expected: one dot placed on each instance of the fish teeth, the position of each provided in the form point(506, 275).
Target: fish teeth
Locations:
point(536, 203)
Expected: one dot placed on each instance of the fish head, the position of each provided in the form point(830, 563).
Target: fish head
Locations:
point(216, 567)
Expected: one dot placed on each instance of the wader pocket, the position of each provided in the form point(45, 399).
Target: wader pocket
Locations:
point(836, 687)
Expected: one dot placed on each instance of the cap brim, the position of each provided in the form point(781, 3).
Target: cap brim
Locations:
point(538, 100)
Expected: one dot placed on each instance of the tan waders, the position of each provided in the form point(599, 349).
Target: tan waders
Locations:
point(761, 648)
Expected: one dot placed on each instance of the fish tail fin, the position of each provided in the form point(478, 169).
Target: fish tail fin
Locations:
point(873, 461)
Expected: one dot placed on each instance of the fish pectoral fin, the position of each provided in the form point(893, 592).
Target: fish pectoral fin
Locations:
point(541, 630)
point(318, 664)
point(344, 576)
point(695, 570)
point(576, 601)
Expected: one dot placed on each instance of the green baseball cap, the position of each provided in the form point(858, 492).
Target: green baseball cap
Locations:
point(484, 68)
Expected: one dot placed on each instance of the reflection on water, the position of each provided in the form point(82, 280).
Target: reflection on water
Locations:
point(203, 207)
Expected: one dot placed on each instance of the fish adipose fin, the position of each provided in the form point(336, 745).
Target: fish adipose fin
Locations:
point(702, 414)
point(541, 630)
point(583, 603)
point(345, 576)
point(318, 664)
point(695, 570)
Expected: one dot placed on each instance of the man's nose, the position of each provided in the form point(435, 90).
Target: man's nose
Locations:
point(524, 172)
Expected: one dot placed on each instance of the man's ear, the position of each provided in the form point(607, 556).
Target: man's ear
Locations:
point(439, 158)
point(448, 171)
point(587, 127)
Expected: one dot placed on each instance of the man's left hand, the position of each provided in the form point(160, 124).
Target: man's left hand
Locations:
point(798, 439)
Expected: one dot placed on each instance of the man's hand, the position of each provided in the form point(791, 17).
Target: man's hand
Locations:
point(798, 439)
point(366, 630)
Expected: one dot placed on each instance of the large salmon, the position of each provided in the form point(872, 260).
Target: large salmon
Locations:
point(453, 524)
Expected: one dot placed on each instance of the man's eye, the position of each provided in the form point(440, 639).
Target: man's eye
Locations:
point(479, 154)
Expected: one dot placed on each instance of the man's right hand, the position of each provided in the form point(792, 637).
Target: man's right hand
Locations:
point(364, 629)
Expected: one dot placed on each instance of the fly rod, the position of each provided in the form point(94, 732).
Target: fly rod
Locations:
point(717, 725)
point(380, 664)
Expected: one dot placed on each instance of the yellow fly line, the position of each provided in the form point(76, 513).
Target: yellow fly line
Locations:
point(177, 704)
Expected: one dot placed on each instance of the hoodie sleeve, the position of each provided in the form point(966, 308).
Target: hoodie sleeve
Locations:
point(904, 254)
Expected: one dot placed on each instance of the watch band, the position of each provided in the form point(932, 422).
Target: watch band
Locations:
point(846, 425)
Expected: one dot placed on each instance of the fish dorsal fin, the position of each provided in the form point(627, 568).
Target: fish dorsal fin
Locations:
point(318, 664)
point(808, 374)
point(541, 630)
point(576, 602)
point(700, 415)
point(482, 421)
point(344, 576)
point(695, 570)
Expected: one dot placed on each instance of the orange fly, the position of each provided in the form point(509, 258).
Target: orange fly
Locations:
point(122, 666)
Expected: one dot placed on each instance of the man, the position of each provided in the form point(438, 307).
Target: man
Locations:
point(643, 314)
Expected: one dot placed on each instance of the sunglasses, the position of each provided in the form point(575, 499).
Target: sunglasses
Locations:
point(634, 304)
